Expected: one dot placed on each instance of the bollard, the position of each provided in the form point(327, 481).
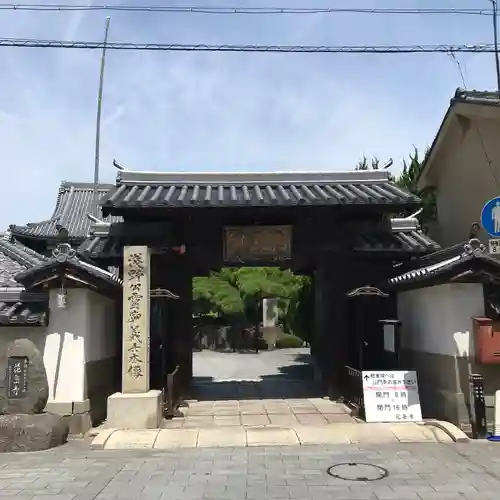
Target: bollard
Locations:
point(479, 429)
point(496, 430)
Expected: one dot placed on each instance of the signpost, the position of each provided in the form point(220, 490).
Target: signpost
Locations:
point(490, 220)
point(391, 396)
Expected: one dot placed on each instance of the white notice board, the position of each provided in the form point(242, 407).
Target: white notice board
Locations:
point(391, 396)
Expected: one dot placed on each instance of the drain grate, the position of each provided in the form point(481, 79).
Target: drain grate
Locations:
point(354, 471)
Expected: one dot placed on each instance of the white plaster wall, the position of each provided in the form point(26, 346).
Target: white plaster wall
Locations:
point(438, 319)
point(64, 354)
point(101, 339)
point(84, 331)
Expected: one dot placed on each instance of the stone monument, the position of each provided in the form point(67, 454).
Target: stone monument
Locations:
point(270, 328)
point(23, 424)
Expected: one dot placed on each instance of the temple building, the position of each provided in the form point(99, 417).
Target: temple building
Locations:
point(106, 292)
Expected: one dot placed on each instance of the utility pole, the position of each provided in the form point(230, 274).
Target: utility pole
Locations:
point(95, 198)
point(495, 38)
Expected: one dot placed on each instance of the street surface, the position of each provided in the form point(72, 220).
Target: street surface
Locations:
point(469, 471)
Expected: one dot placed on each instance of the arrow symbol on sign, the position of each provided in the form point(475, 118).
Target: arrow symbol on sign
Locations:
point(366, 377)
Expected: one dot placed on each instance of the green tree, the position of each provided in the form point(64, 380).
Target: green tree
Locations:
point(408, 180)
point(364, 165)
point(239, 292)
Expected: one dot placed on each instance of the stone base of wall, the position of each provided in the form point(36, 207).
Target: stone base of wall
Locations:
point(77, 414)
point(444, 385)
point(102, 380)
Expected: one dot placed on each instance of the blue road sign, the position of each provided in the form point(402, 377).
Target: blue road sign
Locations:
point(490, 217)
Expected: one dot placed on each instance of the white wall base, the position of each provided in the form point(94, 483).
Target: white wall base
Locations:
point(134, 410)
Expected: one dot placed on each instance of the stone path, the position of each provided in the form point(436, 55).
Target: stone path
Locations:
point(237, 436)
point(415, 472)
point(246, 413)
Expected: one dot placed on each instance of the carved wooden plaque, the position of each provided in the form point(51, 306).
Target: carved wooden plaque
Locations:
point(257, 243)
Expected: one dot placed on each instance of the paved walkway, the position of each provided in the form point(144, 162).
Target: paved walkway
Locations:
point(265, 412)
point(415, 472)
point(236, 436)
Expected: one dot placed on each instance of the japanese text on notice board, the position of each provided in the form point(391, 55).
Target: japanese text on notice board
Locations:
point(391, 396)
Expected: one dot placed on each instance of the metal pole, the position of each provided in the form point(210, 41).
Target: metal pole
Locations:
point(495, 38)
point(98, 123)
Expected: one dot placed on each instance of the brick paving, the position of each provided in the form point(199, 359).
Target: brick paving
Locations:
point(246, 413)
point(469, 471)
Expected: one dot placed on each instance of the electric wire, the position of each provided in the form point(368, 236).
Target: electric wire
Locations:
point(200, 9)
point(347, 49)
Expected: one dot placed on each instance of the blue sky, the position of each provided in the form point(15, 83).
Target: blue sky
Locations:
point(222, 111)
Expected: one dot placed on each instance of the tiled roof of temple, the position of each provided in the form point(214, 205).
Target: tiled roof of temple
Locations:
point(15, 258)
point(74, 201)
point(16, 306)
point(169, 190)
point(464, 262)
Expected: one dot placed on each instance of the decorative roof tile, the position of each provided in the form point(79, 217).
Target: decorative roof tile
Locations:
point(74, 201)
point(171, 190)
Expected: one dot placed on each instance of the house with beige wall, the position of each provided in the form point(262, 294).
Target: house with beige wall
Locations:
point(463, 165)
point(442, 297)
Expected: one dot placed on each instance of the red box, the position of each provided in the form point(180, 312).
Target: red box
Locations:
point(486, 341)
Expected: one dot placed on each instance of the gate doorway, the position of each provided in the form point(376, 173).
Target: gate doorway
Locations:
point(333, 226)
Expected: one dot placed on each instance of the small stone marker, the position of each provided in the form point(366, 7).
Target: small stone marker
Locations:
point(26, 389)
point(23, 425)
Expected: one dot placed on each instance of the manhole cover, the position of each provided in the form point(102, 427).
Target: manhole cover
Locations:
point(357, 472)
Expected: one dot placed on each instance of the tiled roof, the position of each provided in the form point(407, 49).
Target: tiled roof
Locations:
point(169, 190)
point(15, 258)
point(74, 202)
point(405, 236)
point(476, 96)
point(24, 313)
point(460, 261)
point(64, 259)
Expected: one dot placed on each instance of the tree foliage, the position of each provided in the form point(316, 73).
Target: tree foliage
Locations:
point(408, 179)
point(239, 292)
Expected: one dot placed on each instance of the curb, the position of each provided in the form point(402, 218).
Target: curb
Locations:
point(456, 434)
point(99, 442)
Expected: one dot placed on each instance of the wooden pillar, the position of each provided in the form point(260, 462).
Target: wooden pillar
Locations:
point(136, 317)
point(330, 319)
point(177, 277)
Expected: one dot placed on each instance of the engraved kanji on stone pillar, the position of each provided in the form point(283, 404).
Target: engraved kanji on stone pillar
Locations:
point(136, 268)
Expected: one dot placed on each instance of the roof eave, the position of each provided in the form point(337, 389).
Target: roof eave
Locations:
point(34, 277)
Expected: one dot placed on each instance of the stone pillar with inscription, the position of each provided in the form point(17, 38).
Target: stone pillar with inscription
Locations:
point(136, 406)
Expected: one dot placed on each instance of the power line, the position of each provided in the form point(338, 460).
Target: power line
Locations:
point(348, 49)
point(196, 9)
